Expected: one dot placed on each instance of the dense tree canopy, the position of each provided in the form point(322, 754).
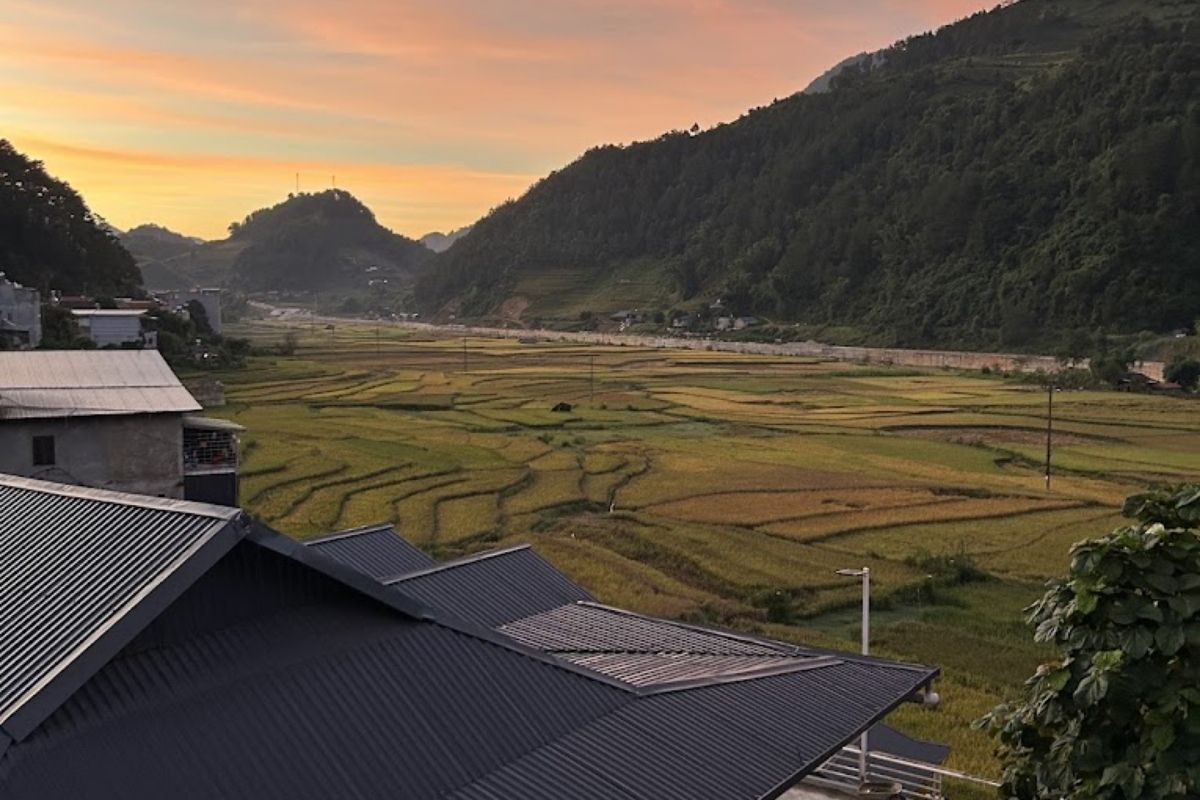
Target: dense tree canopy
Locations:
point(50, 240)
point(1025, 173)
point(1117, 715)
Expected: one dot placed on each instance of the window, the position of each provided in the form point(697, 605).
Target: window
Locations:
point(43, 451)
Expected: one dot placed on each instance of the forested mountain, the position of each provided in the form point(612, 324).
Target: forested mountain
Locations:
point(440, 242)
point(156, 248)
point(50, 240)
point(1024, 173)
point(326, 241)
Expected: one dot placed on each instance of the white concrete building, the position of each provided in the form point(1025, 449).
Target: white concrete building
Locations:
point(112, 327)
point(20, 314)
point(209, 298)
point(112, 419)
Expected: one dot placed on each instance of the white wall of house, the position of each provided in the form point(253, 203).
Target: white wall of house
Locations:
point(21, 307)
point(138, 453)
point(112, 329)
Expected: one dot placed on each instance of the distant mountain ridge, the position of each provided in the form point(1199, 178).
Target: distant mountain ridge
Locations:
point(1026, 172)
point(440, 242)
point(323, 241)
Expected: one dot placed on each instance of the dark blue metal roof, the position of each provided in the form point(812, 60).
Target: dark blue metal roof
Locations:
point(336, 698)
point(277, 672)
point(81, 571)
point(752, 739)
point(492, 588)
point(376, 550)
point(889, 740)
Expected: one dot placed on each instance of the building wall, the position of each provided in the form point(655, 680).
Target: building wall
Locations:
point(142, 454)
point(209, 298)
point(106, 330)
point(23, 308)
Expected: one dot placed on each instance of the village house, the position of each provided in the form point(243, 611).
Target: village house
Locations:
point(20, 315)
point(113, 419)
point(114, 327)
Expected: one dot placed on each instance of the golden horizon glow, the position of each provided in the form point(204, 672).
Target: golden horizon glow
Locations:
point(193, 116)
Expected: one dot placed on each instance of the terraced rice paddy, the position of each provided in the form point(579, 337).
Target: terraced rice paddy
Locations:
point(710, 487)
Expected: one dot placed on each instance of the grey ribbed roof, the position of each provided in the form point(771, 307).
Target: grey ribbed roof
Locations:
point(267, 680)
point(492, 588)
point(660, 669)
point(749, 740)
point(376, 550)
point(53, 383)
point(74, 563)
point(593, 628)
point(208, 657)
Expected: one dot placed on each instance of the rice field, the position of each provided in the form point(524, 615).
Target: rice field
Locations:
point(711, 487)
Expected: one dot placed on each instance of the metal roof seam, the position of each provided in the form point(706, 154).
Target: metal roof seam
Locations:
point(474, 558)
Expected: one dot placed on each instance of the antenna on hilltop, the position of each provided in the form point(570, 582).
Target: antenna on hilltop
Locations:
point(297, 183)
point(333, 180)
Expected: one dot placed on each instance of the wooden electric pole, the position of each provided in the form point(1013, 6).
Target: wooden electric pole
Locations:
point(1049, 429)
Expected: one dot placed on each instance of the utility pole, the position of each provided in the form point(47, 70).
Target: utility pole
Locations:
point(863, 574)
point(1049, 428)
point(592, 378)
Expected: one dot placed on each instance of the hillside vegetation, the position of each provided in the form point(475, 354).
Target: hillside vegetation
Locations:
point(155, 248)
point(49, 239)
point(326, 241)
point(1021, 176)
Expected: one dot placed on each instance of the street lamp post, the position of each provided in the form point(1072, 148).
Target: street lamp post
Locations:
point(864, 575)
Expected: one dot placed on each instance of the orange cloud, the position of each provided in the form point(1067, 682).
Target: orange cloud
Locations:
point(180, 190)
point(194, 114)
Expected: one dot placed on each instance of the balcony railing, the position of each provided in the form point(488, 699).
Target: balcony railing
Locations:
point(919, 780)
point(209, 451)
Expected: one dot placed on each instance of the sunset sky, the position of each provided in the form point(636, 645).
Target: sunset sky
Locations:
point(193, 114)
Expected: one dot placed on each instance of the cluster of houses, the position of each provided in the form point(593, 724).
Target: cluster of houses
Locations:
point(121, 326)
point(716, 319)
point(159, 642)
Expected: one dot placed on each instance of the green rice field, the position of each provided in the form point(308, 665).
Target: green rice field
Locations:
point(715, 487)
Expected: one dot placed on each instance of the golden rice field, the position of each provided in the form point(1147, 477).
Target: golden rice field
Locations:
point(714, 487)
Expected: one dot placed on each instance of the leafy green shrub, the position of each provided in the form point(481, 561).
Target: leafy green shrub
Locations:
point(1117, 715)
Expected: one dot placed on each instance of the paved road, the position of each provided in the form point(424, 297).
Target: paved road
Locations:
point(935, 359)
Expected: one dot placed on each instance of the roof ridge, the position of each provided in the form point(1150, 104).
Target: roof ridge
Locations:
point(464, 561)
point(349, 533)
point(121, 498)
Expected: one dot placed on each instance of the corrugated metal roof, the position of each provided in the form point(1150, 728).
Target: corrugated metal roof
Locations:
point(889, 740)
point(41, 383)
point(594, 628)
point(492, 588)
point(76, 562)
point(752, 739)
point(658, 669)
point(274, 671)
point(334, 696)
point(376, 550)
point(328, 701)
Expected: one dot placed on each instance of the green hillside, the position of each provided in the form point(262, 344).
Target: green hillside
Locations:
point(1026, 173)
point(157, 249)
point(327, 241)
point(49, 239)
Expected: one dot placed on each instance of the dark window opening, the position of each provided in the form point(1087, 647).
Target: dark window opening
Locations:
point(43, 451)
